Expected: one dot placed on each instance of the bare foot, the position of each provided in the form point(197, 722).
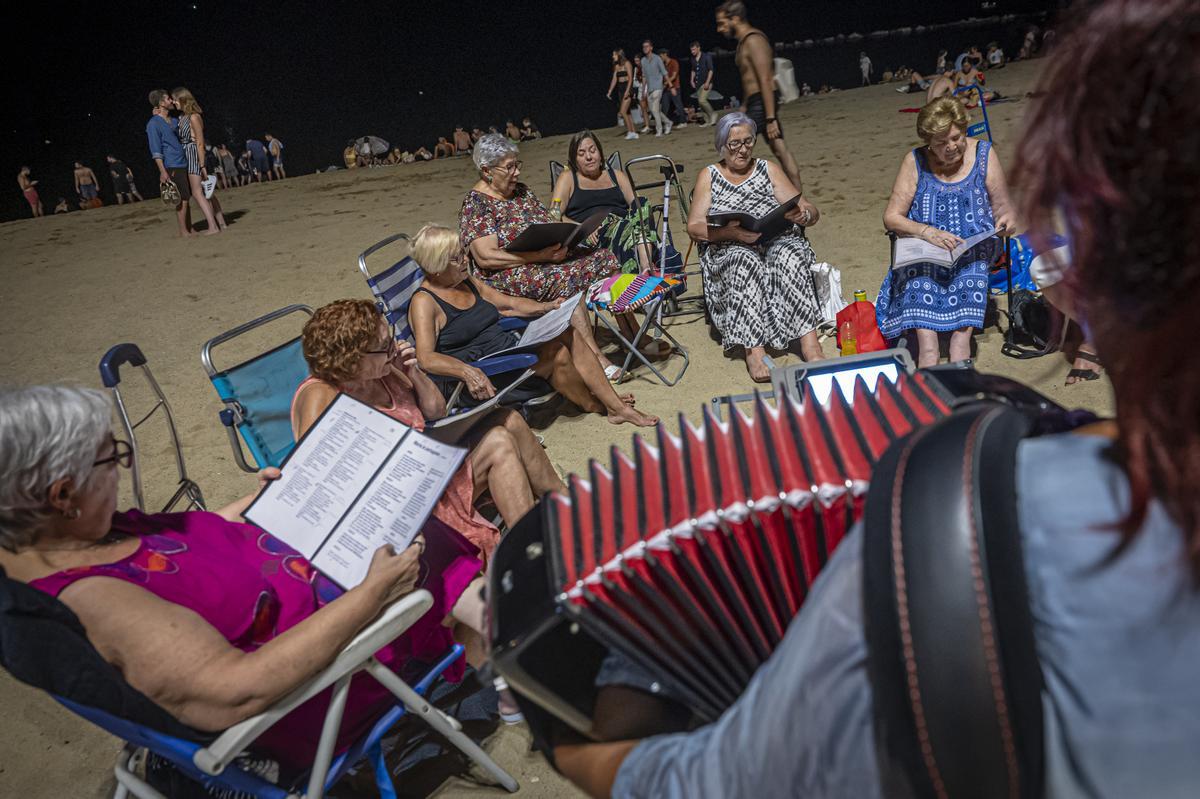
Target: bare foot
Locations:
point(211, 232)
point(631, 415)
point(757, 367)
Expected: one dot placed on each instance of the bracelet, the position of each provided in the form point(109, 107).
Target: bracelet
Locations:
point(771, 119)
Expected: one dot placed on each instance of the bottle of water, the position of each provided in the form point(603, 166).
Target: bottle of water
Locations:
point(556, 209)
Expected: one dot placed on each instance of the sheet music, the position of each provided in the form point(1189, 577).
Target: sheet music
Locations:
point(548, 326)
point(912, 250)
point(357, 480)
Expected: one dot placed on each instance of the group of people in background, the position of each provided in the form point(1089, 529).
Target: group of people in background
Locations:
point(655, 81)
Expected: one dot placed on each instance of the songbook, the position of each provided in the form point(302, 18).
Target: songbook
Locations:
point(541, 235)
point(358, 479)
point(541, 329)
point(769, 225)
point(912, 250)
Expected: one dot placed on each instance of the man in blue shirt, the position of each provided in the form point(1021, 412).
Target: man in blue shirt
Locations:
point(258, 153)
point(167, 152)
point(702, 80)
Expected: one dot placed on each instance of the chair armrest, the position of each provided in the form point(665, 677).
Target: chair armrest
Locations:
point(513, 323)
point(505, 363)
point(394, 620)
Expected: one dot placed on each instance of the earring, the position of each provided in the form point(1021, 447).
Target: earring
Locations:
point(73, 513)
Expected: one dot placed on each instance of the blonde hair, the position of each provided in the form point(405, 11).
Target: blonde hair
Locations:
point(186, 101)
point(432, 247)
point(939, 116)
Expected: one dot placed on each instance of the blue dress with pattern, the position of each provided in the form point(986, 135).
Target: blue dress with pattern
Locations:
point(932, 296)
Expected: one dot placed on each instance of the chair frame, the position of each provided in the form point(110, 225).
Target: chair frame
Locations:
point(110, 374)
point(978, 127)
point(215, 759)
point(233, 416)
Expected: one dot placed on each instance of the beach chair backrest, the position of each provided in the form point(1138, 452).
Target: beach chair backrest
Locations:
point(613, 162)
point(395, 286)
point(263, 388)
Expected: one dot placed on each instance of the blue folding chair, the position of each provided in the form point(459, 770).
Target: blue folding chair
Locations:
point(979, 127)
point(394, 287)
point(257, 393)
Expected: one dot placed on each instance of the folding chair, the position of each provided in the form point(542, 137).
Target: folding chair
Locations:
point(979, 127)
point(110, 374)
point(394, 288)
point(257, 393)
point(613, 162)
point(93, 689)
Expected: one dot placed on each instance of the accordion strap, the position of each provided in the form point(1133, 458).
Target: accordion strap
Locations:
point(952, 659)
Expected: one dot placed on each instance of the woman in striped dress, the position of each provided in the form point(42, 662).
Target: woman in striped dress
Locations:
point(191, 135)
point(760, 293)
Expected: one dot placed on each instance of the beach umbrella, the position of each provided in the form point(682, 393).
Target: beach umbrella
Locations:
point(378, 146)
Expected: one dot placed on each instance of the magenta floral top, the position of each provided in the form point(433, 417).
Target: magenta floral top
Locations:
point(252, 587)
point(506, 219)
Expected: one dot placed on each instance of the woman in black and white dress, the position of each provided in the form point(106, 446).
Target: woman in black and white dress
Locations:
point(760, 293)
point(191, 136)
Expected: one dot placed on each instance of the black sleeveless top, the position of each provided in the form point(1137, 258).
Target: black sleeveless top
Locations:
point(585, 202)
point(470, 334)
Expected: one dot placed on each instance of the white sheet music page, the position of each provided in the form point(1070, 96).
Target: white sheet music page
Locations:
point(392, 509)
point(325, 473)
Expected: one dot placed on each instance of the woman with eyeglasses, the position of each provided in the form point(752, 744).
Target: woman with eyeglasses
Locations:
point(496, 210)
point(211, 618)
point(760, 293)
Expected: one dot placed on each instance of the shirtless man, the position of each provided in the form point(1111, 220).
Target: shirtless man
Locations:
point(943, 84)
point(86, 185)
point(462, 141)
point(28, 188)
point(443, 148)
point(756, 64)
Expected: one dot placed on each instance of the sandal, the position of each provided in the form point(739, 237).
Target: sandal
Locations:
point(1085, 375)
point(613, 373)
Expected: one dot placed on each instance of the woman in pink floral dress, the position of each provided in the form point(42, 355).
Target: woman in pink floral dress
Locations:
point(496, 210)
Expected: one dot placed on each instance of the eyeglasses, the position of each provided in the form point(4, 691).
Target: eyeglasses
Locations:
point(389, 350)
point(122, 455)
point(515, 166)
point(740, 144)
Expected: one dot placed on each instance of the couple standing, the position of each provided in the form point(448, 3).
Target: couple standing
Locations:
point(176, 144)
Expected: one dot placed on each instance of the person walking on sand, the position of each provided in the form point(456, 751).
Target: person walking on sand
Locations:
point(167, 153)
point(756, 65)
point(28, 185)
point(191, 135)
point(86, 185)
point(654, 73)
point(864, 66)
point(623, 82)
point(122, 180)
point(671, 97)
point(702, 80)
point(275, 148)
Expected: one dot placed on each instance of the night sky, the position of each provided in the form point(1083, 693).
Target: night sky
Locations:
point(318, 74)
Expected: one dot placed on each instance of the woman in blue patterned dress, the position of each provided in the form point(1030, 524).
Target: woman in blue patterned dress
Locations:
point(947, 191)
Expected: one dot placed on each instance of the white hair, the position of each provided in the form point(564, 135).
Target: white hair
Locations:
point(46, 433)
point(727, 123)
point(492, 149)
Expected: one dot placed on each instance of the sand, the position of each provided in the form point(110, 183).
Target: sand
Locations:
point(74, 285)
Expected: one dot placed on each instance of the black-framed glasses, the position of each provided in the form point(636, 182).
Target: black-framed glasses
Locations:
point(740, 144)
point(122, 455)
point(515, 166)
point(390, 349)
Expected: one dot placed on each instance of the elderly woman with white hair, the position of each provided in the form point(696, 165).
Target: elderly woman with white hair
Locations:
point(496, 210)
point(211, 618)
point(760, 293)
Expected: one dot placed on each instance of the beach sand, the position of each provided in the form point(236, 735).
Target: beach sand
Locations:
point(74, 285)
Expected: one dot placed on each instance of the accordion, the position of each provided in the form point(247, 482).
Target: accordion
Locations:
point(690, 556)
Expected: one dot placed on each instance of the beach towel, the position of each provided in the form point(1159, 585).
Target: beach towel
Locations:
point(622, 293)
point(910, 111)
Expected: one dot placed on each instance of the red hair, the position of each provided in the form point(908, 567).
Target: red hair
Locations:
point(1113, 156)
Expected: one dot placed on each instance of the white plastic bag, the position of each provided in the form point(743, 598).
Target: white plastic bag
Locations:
point(827, 280)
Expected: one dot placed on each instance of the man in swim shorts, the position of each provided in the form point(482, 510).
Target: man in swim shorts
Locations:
point(86, 185)
point(275, 146)
point(28, 185)
point(756, 64)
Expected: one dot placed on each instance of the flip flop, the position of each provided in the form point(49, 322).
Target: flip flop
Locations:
point(1085, 375)
point(613, 373)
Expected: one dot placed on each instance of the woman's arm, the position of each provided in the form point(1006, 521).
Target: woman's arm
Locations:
point(180, 661)
point(488, 254)
point(612, 84)
point(698, 227)
point(904, 189)
point(564, 187)
point(421, 315)
point(198, 134)
point(627, 188)
point(1003, 211)
point(785, 190)
point(509, 305)
point(313, 401)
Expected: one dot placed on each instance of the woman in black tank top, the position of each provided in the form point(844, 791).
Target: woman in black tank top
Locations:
point(455, 318)
point(588, 185)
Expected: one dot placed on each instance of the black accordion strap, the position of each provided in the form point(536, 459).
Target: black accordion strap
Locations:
point(952, 659)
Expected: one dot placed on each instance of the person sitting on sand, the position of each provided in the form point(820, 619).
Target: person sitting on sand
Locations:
point(496, 210)
point(942, 85)
point(350, 349)
point(462, 141)
point(760, 293)
point(423, 154)
point(916, 83)
point(588, 186)
point(968, 75)
point(529, 131)
point(476, 134)
point(455, 319)
point(950, 189)
point(185, 604)
point(512, 131)
point(443, 148)
point(62, 206)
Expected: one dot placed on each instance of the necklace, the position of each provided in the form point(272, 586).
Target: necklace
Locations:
point(111, 538)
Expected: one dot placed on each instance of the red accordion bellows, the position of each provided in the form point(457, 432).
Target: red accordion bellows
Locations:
point(692, 557)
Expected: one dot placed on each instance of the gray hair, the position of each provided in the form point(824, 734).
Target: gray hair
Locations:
point(727, 123)
point(492, 149)
point(46, 433)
